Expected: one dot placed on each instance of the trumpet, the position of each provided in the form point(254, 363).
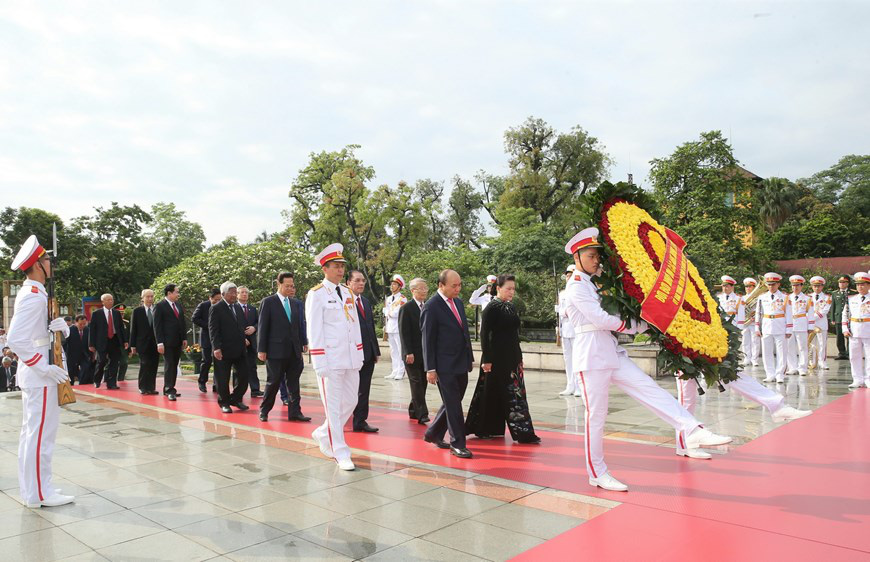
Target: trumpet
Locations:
point(814, 355)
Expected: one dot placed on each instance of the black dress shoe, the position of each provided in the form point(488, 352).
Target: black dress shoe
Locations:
point(438, 443)
point(256, 394)
point(365, 428)
point(226, 410)
point(202, 387)
point(423, 421)
point(299, 418)
point(96, 385)
point(462, 453)
point(533, 440)
point(121, 378)
point(484, 436)
point(116, 387)
point(285, 402)
point(264, 417)
point(241, 406)
point(171, 396)
point(151, 392)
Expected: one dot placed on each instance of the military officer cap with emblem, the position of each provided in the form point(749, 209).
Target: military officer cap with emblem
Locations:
point(333, 252)
point(817, 280)
point(398, 279)
point(491, 278)
point(586, 238)
point(861, 277)
point(570, 269)
point(749, 281)
point(728, 279)
point(28, 255)
point(771, 277)
point(797, 280)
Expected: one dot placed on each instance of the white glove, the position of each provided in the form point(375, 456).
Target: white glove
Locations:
point(59, 325)
point(56, 373)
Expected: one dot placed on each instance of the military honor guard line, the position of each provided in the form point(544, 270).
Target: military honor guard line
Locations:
point(430, 342)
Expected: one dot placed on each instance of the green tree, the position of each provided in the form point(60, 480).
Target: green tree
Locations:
point(430, 193)
point(775, 200)
point(16, 225)
point(173, 236)
point(826, 234)
point(845, 183)
point(463, 217)
point(704, 196)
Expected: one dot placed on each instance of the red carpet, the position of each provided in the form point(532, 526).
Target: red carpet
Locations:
point(798, 492)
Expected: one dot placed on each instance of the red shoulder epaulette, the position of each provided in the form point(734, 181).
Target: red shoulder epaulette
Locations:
point(578, 278)
point(33, 289)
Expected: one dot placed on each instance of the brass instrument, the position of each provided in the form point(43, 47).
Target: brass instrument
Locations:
point(750, 300)
point(813, 360)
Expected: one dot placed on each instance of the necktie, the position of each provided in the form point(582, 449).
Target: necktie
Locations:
point(360, 307)
point(245, 311)
point(287, 309)
point(150, 316)
point(455, 312)
point(233, 310)
point(175, 310)
point(111, 322)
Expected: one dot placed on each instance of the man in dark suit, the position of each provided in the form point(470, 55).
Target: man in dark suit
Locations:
point(123, 359)
point(356, 281)
point(7, 375)
point(226, 328)
point(282, 341)
point(170, 333)
point(107, 339)
point(75, 346)
point(200, 318)
point(411, 337)
point(142, 342)
point(249, 313)
point(447, 358)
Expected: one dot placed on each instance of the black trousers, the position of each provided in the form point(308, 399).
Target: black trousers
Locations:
point(86, 371)
point(222, 371)
point(123, 363)
point(107, 363)
point(148, 360)
point(171, 356)
point(449, 417)
point(842, 346)
point(73, 368)
point(206, 364)
point(252, 378)
point(283, 371)
point(361, 412)
point(417, 409)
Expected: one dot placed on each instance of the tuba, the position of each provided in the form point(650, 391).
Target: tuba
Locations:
point(750, 300)
point(814, 355)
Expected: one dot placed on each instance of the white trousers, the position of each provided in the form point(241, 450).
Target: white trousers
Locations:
point(859, 358)
point(774, 367)
point(396, 355)
point(595, 388)
point(338, 392)
point(745, 385)
point(751, 346)
point(39, 421)
point(818, 350)
point(798, 352)
point(568, 355)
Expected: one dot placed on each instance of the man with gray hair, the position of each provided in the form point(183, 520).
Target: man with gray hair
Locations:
point(412, 349)
point(226, 328)
point(107, 339)
point(7, 375)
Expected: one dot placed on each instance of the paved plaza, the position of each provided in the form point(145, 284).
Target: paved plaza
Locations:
point(160, 484)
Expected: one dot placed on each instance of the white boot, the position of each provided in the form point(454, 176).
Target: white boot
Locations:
point(346, 464)
point(705, 438)
point(53, 501)
point(788, 413)
point(608, 482)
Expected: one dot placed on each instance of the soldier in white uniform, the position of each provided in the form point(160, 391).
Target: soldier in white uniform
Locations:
point(566, 330)
point(856, 327)
point(29, 338)
point(482, 295)
point(751, 342)
point(394, 301)
point(599, 361)
point(731, 302)
point(798, 350)
point(335, 344)
point(821, 304)
point(773, 325)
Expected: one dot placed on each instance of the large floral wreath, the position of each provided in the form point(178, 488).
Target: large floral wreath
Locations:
point(651, 278)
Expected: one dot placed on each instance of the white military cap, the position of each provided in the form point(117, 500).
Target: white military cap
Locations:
point(491, 278)
point(772, 277)
point(797, 279)
point(330, 253)
point(571, 268)
point(28, 255)
point(750, 281)
point(817, 280)
point(861, 277)
point(728, 279)
point(586, 238)
point(399, 279)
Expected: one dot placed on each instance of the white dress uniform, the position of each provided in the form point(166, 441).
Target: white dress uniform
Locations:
point(773, 320)
point(750, 341)
point(29, 338)
point(600, 361)
point(392, 304)
point(335, 344)
point(798, 349)
point(821, 305)
point(732, 304)
point(481, 296)
point(566, 329)
point(856, 326)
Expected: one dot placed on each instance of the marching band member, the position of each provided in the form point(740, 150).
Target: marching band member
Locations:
point(751, 343)
point(773, 324)
point(336, 351)
point(798, 350)
point(599, 361)
point(394, 301)
point(482, 295)
point(856, 327)
point(567, 332)
point(821, 304)
point(731, 302)
point(29, 338)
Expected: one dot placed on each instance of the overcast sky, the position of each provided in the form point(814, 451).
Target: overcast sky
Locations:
point(217, 105)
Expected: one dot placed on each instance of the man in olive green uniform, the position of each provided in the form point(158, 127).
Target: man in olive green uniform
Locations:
point(839, 297)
